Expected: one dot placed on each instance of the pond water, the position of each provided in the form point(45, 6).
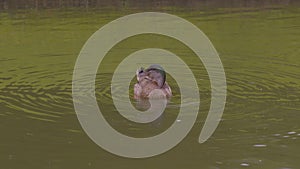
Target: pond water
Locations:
point(260, 128)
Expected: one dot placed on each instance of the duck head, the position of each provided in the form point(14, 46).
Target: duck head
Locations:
point(154, 73)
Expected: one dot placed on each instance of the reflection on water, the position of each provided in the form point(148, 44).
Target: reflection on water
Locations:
point(260, 126)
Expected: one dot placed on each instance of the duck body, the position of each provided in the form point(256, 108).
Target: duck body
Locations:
point(150, 79)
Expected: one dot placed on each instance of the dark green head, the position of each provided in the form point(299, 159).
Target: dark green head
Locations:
point(160, 77)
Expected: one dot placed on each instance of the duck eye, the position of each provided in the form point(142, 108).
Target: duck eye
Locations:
point(141, 70)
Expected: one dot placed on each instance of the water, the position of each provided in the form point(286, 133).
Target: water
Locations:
point(260, 126)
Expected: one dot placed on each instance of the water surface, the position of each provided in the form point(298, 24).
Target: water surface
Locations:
point(260, 126)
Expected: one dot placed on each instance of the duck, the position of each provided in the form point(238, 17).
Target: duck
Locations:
point(150, 79)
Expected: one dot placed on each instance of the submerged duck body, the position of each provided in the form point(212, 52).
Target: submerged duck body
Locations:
point(150, 79)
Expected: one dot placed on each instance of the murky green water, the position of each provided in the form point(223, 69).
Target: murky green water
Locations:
point(260, 127)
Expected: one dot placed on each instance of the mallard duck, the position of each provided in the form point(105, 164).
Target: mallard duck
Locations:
point(150, 79)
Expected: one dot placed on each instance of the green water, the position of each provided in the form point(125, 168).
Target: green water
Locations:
point(260, 126)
